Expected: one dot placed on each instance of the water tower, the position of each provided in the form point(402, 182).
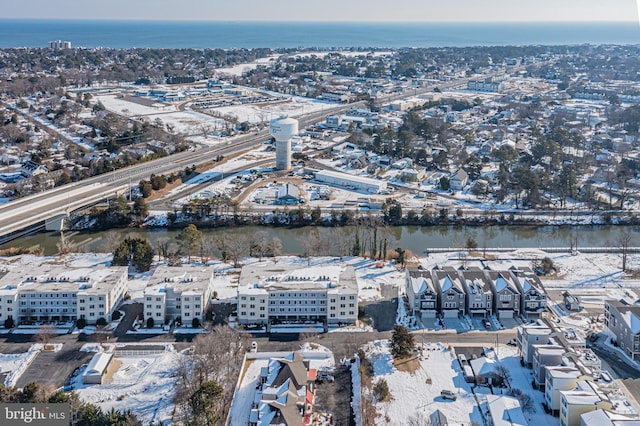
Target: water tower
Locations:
point(283, 129)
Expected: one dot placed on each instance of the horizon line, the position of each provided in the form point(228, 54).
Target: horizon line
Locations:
point(324, 21)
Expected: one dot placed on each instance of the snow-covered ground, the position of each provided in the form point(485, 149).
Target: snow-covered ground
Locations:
point(143, 384)
point(420, 391)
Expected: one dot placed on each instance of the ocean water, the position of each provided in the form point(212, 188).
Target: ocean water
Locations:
point(199, 35)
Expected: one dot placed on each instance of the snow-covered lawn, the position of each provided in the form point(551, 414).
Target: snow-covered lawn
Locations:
point(145, 385)
point(420, 391)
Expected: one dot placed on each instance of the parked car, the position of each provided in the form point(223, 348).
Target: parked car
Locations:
point(324, 376)
point(512, 342)
point(447, 394)
point(254, 346)
point(487, 323)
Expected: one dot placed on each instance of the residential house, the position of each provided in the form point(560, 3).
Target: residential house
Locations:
point(623, 320)
point(533, 299)
point(30, 169)
point(422, 292)
point(285, 392)
point(606, 418)
point(505, 294)
point(504, 411)
point(528, 336)
point(559, 378)
point(458, 180)
point(479, 293)
point(485, 371)
point(451, 292)
point(585, 398)
point(543, 356)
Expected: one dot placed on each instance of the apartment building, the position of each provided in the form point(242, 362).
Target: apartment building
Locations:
point(182, 294)
point(60, 293)
point(276, 294)
point(422, 292)
point(623, 321)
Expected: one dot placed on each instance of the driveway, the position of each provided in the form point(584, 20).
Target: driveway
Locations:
point(131, 312)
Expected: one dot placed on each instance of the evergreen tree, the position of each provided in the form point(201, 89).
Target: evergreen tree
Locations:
point(402, 343)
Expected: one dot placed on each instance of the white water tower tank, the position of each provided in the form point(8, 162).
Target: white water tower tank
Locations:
point(283, 129)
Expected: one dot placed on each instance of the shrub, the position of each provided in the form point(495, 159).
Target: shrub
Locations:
point(150, 322)
point(116, 316)
point(9, 323)
point(381, 390)
point(101, 322)
point(195, 323)
point(81, 323)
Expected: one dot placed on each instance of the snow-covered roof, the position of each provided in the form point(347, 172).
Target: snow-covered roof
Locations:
point(505, 411)
point(483, 366)
point(501, 284)
point(98, 364)
point(332, 278)
point(574, 397)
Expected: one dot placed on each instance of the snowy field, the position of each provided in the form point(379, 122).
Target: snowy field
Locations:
point(439, 370)
point(143, 384)
point(420, 391)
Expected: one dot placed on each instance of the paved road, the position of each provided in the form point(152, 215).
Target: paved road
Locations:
point(613, 362)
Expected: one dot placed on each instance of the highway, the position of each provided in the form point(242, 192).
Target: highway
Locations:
point(31, 210)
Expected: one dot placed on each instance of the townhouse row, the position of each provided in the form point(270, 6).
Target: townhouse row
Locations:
point(450, 292)
point(569, 375)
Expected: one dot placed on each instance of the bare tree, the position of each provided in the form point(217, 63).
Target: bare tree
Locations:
point(313, 244)
point(275, 248)
point(45, 334)
point(109, 242)
point(623, 241)
point(418, 419)
point(232, 248)
point(217, 357)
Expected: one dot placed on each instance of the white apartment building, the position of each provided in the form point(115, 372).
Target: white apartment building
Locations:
point(59, 293)
point(59, 44)
point(275, 293)
point(178, 293)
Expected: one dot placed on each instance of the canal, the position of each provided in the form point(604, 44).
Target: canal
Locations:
point(417, 239)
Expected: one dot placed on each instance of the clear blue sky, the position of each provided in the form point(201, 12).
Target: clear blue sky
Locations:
point(327, 10)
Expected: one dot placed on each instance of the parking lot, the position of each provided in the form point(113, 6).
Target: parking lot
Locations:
point(51, 369)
